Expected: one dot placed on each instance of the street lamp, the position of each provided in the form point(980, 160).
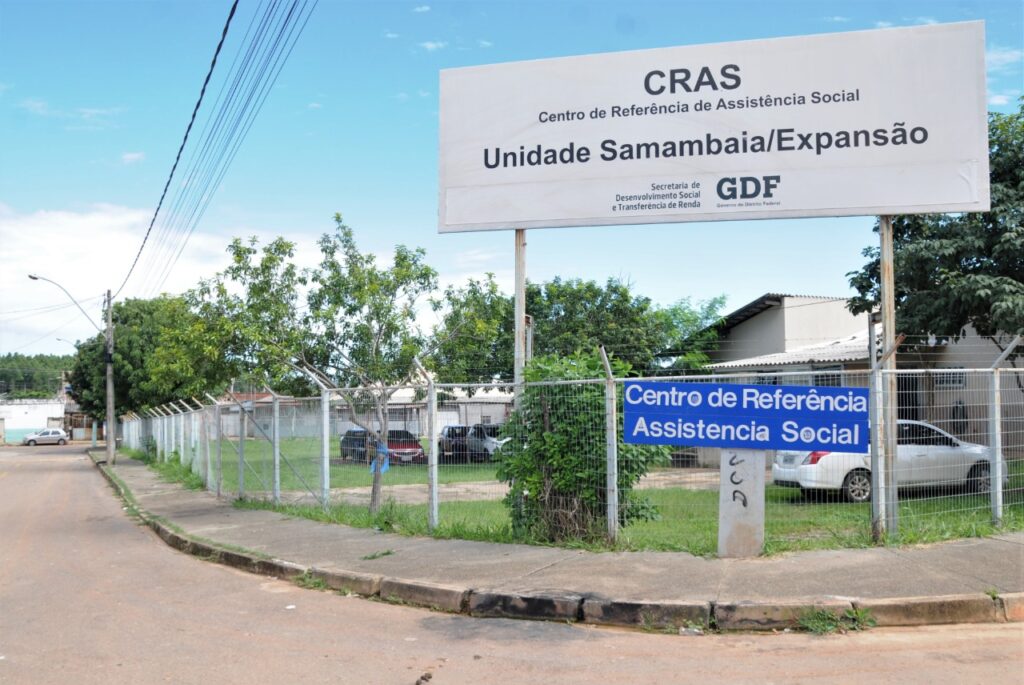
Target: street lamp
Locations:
point(109, 358)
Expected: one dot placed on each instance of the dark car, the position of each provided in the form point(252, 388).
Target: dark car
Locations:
point(403, 447)
point(451, 444)
point(354, 444)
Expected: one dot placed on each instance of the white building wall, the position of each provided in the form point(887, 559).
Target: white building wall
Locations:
point(814, 320)
point(23, 416)
point(764, 333)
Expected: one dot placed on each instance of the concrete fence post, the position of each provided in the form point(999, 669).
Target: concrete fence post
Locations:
point(611, 436)
point(243, 430)
point(325, 448)
point(276, 436)
point(434, 516)
point(995, 430)
point(219, 432)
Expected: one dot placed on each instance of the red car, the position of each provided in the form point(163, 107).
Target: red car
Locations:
point(403, 447)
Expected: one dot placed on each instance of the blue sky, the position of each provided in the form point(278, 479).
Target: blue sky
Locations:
point(95, 97)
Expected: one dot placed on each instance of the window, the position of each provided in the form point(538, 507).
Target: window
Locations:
point(950, 379)
point(916, 434)
point(831, 376)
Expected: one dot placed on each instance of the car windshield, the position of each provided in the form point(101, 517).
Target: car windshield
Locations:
point(458, 431)
point(490, 430)
point(401, 435)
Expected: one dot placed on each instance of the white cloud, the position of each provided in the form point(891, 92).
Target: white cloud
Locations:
point(402, 97)
point(4, 87)
point(87, 252)
point(999, 59)
point(95, 112)
point(421, 9)
point(80, 118)
point(314, 105)
point(475, 260)
point(485, 43)
point(837, 19)
point(998, 100)
point(925, 20)
point(390, 35)
point(36, 107)
point(431, 45)
point(883, 24)
point(132, 157)
point(423, 93)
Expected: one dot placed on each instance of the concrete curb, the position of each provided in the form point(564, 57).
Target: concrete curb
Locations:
point(558, 605)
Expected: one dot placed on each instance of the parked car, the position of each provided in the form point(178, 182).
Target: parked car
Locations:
point(451, 444)
point(354, 443)
point(46, 436)
point(925, 456)
point(482, 441)
point(403, 447)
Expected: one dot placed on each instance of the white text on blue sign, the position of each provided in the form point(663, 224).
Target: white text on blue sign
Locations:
point(746, 416)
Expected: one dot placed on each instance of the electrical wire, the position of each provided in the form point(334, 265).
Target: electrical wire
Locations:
point(202, 92)
point(271, 46)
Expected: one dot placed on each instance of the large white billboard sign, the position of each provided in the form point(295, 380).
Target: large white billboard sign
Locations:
point(873, 122)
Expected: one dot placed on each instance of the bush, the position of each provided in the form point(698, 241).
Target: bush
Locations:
point(555, 460)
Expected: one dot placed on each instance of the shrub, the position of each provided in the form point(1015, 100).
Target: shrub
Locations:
point(555, 461)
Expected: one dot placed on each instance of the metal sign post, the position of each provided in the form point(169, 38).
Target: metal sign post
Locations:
point(520, 315)
point(890, 389)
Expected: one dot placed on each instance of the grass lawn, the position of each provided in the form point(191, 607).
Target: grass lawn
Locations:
point(688, 519)
point(300, 468)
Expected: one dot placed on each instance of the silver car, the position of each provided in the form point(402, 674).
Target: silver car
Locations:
point(925, 456)
point(47, 436)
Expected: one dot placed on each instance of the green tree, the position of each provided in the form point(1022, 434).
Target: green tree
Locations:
point(363, 330)
point(955, 270)
point(34, 376)
point(138, 329)
point(569, 316)
point(247, 324)
point(473, 341)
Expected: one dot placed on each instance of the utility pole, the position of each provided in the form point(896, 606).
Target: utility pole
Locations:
point(108, 358)
point(111, 432)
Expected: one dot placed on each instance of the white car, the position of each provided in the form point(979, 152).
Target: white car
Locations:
point(46, 436)
point(483, 441)
point(925, 456)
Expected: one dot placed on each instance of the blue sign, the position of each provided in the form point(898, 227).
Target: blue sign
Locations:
point(781, 417)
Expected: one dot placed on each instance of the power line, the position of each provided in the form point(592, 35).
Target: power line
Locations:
point(37, 311)
point(213, 63)
point(271, 44)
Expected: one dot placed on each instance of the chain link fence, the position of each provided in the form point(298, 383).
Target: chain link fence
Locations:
point(463, 461)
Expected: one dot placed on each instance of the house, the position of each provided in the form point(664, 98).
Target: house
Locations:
point(18, 418)
point(817, 339)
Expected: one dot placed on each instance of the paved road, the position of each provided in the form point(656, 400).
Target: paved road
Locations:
point(88, 596)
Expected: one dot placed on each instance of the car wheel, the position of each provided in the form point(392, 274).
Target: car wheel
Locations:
point(62, 441)
point(31, 443)
point(857, 486)
point(979, 480)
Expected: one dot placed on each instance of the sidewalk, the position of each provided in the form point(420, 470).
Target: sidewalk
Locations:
point(966, 581)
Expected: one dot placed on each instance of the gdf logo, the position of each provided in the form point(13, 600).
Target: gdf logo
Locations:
point(747, 187)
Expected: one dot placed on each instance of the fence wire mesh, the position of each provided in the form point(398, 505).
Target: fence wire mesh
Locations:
point(542, 472)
